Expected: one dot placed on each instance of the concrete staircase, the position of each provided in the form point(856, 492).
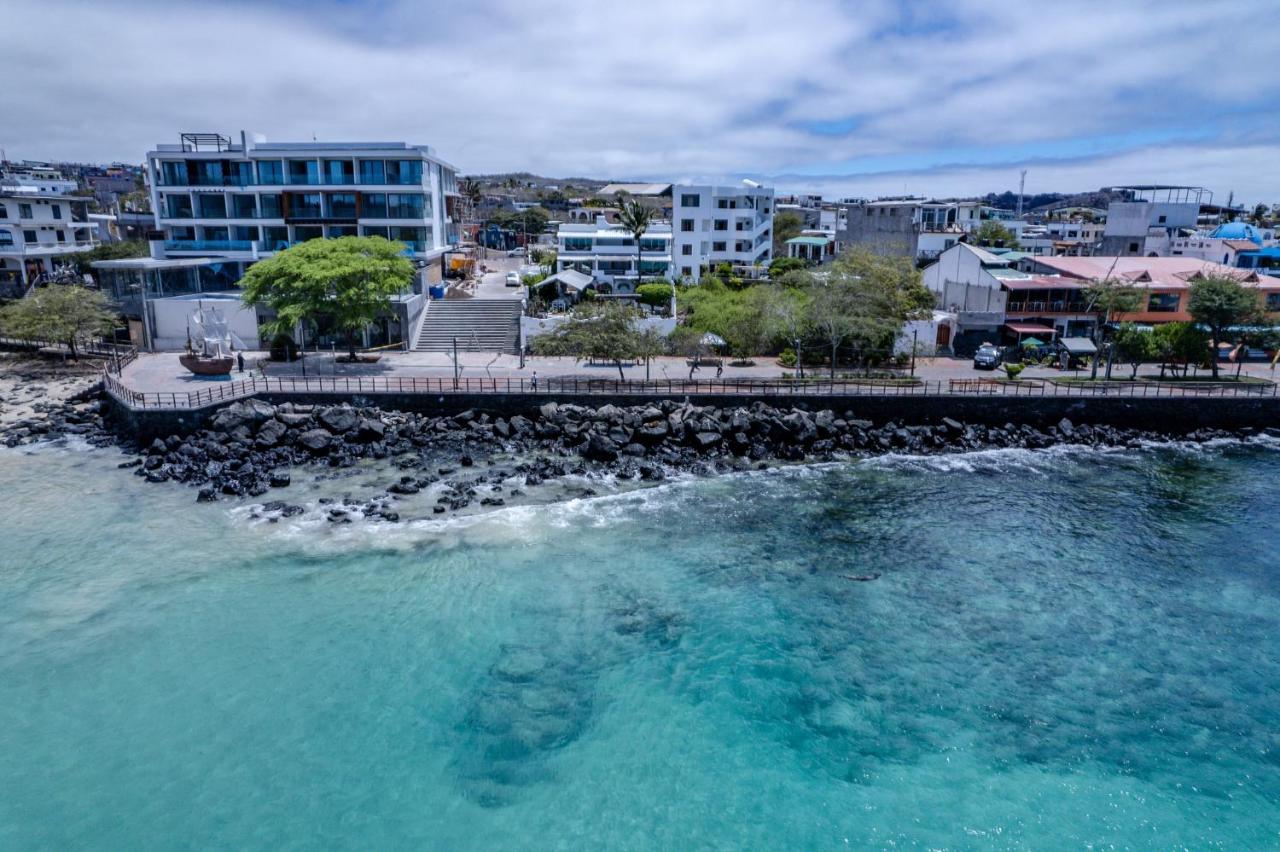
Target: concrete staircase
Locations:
point(480, 325)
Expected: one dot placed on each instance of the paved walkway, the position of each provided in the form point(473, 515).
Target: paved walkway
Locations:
point(162, 372)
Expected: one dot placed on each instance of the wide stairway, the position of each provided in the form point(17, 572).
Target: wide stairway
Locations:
point(480, 325)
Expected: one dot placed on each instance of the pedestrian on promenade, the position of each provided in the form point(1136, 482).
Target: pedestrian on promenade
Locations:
point(693, 367)
point(240, 362)
point(719, 369)
point(533, 382)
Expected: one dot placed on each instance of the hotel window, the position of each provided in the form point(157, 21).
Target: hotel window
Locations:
point(686, 250)
point(242, 207)
point(275, 238)
point(304, 171)
point(653, 245)
point(373, 205)
point(62, 236)
point(372, 171)
point(723, 204)
point(717, 246)
point(577, 244)
point(4, 212)
point(57, 211)
point(404, 206)
point(404, 171)
point(270, 172)
point(24, 211)
point(690, 200)
point(1133, 247)
point(1165, 303)
point(307, 205)
point(339, 172)
point(686, 225)
point(174, 172)
point(245, 233)
point(686, 271)
point(29, 236)
point(178, 206)
point(375, 231)
point(270, 204)
point(213, 206)
point(342, 205)
point(722, 225)
point(302, 233)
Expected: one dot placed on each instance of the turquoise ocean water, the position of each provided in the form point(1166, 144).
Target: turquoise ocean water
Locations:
point(1063, 649)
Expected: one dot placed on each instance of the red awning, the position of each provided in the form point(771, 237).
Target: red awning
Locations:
point(1026, 328)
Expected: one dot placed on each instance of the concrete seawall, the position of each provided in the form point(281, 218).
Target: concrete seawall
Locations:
point(1174, 414)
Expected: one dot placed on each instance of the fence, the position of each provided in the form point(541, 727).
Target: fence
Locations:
point(373, 386)
point(120, 354)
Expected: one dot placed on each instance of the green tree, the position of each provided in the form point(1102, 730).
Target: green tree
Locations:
point(1109, 298)
point(604, 331)
point(780, 266)
point(865, 298)
point(786, 314)
point(63, 313)
point(654, 294)
point(349, 279)
point(1133, 346)
point(786, 225)
point(992, 234)
point(636, 218)
point(1177, 343)
point(109, 251)
point(1219, 303)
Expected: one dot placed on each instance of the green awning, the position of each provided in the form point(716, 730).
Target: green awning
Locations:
point(820, 242)
point(1033, 342)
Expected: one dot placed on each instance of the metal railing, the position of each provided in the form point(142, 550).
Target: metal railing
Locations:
point(764, 389)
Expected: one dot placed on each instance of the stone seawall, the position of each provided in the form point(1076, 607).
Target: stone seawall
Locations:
point(1176, 414)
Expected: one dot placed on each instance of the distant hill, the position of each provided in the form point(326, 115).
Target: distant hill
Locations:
point(1043, 202)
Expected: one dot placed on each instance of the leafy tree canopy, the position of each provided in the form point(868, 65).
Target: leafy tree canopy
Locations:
point(349, 279)
point(992, 234)
point(605, 331)
point(786, 225)
point(63, 313)
point(1219, 303)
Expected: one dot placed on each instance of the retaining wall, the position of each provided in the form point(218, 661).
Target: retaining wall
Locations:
point(1164, 414)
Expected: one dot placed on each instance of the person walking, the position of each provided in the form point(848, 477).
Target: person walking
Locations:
point(719, 369)
point(240, 362)
point(533, 382)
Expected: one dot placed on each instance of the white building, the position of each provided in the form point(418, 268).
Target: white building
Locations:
point(40, 224)
point(608, 253)
point(969, 284)
point(246, 200)
point(721, 224)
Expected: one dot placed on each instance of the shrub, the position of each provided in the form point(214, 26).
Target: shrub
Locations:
point(1012, 370)
point(283, 348)
point(788, 357)
point(655, 294)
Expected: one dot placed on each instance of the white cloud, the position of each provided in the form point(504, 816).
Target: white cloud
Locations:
point(671, 88)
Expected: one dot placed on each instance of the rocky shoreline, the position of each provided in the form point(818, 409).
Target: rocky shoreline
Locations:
point(250, 447)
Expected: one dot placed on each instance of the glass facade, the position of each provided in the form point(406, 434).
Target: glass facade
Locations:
point(342, 205)
point(212, 206)
point(274, 238)
point(270, 172)
point(306, 205)
point(243, 207)
point(178, 206)
point(304, 171)
point(339, 172)
point(302, 233)
point(174, 173)
point(270, 205)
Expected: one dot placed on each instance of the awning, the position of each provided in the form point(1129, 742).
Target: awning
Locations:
point(1078, 345)
point(1025, 328)
point(1033, 342)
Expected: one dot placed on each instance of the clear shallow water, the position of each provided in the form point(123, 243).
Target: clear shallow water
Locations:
point(1062, 649)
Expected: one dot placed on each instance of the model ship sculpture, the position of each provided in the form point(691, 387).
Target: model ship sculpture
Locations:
point(210, 353)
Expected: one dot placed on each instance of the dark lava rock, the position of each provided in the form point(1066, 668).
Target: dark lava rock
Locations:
point(338, 419)
point(316, 440)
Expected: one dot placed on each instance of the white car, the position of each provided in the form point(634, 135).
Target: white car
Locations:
point(516, 252)
point(513, 279)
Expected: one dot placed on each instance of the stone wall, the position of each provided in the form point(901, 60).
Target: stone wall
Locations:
point(1163, 414)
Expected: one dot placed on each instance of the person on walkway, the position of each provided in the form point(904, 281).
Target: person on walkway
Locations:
point(533, 382)
point(693, 367)
point(240, 362)
point(719, 370)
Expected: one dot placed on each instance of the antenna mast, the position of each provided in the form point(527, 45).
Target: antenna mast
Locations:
point(1022, 185)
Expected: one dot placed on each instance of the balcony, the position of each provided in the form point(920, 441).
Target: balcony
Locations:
point(208, 245)
point(1058, 306)
point(13, 247)
point(276, 245)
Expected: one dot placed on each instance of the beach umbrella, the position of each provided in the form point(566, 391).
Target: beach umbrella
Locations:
point(1033, 342)
point(711, 339)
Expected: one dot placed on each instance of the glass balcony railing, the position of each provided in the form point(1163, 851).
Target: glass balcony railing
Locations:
point(276, 245)
point(208, 245)
point(305, 180)
point(414, 246)
point(221, 180)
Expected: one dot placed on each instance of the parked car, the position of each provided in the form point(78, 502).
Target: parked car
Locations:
point(515, 252)
point(513, 279)
point(987, 357)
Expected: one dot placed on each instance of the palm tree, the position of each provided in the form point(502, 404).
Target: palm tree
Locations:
point(635, 218)
point(470, 190)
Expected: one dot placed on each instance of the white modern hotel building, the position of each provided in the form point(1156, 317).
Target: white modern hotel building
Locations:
point(240, 201)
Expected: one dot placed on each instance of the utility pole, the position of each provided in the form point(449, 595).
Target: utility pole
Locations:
point(455, 363)
point(1022, 185)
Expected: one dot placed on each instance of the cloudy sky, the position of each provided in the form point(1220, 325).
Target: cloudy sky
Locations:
point(846, 98)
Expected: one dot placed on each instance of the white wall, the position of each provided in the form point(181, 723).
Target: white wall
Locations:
point(172, 316)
